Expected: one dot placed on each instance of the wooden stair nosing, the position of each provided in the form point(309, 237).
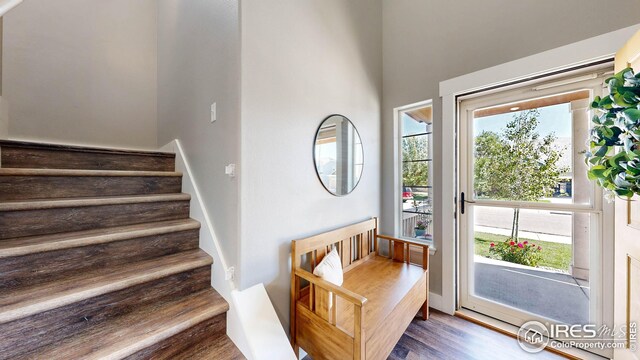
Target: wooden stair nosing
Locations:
point(142, 331)
point(86, 173)
point(219, 348)
point(84, 149)
point(44, 243)
point(207, 340)
point(27, 336)
point(47, 267)
point(35, 188)
point(159, 335)
point(42, 156)
point(32, 222)
point(20, 205)
point(27, 302)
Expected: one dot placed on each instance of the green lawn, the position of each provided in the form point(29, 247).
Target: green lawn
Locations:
point(554, 255)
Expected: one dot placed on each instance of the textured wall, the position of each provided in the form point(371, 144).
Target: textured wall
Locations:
point(302, 61)
point(84, 72)
point(426, 42)
point(198, 64)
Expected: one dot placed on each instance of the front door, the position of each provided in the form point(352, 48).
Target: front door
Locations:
point(533, 228)
point(627, 238)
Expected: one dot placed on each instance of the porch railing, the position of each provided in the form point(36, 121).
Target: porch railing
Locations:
point(410, 220)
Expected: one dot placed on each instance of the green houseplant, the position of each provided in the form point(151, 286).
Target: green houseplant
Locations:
point(421, 227)
point(614, 145)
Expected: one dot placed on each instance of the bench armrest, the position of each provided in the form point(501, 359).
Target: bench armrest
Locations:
point(394, 239)
point(407, 243)
point(350, 296)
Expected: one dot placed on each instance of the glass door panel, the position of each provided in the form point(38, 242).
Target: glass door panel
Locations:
point(531, 218)
point(538, 271)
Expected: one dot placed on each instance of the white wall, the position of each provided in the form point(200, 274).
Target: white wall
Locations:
point(78, 71)
point(426, 42)
point(4, 106)
point(302, 61)
point(199, 63)
point(4, 119)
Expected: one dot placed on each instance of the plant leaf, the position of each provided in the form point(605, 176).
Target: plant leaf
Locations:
point(632, 114)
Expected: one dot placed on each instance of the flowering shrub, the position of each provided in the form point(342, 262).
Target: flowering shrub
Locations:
point(517, 252)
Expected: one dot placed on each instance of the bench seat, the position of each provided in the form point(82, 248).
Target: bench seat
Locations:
point(384, 282)
point(366, 315)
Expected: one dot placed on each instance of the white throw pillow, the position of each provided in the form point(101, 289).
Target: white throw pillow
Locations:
point(330, 268)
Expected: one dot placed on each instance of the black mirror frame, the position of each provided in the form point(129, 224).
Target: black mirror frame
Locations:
point(315, 165)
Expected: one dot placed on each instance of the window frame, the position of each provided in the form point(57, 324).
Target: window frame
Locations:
point(398, 169)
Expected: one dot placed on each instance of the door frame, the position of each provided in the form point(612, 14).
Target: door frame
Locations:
point(576, 55)
point(597, 208)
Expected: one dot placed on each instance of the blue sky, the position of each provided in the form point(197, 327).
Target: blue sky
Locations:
point(556, 118)
point(410, 126)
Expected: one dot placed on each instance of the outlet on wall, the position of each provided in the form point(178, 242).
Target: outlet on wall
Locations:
point(230, 170)
point(214, 112)
point(230, 273)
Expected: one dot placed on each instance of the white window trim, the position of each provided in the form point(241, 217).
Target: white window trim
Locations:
point(397, 175)
point(572, 55)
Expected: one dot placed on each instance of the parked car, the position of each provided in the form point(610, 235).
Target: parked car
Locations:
point(407, 194)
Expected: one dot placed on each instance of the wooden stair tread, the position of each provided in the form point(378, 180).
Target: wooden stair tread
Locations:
point(18, 154)
point(125, 335)
point(75, 172)
point(86, 149)
point(42, 243)
point(100, 259)
point(93, 201)
point(22, 302)
point(220, 348)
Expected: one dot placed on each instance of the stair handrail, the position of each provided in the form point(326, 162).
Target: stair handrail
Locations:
point(7, 5)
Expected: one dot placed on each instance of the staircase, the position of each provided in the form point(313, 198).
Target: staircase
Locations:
point(100, 260)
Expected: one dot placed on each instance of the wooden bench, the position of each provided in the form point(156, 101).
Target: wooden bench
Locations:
point(366, 316)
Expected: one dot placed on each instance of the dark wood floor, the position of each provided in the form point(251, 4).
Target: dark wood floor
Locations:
point(448, 337)
point(445, 337)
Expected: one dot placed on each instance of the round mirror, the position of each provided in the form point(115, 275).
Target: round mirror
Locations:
point(338, 155)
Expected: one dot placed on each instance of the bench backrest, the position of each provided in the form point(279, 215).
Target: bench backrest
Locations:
point(355, 243)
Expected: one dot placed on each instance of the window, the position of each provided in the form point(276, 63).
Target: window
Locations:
point(415, 168)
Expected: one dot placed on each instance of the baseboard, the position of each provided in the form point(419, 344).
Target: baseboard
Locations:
point(210, 244)
point(435, 302)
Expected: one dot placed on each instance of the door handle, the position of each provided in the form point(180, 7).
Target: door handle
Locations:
point(463, 201)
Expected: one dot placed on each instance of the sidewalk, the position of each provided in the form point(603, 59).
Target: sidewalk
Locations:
point(525, 234)
point(549, 294)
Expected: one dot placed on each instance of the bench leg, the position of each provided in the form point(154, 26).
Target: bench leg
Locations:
point(296, 351)
point(425, 306)
point(425, 310)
